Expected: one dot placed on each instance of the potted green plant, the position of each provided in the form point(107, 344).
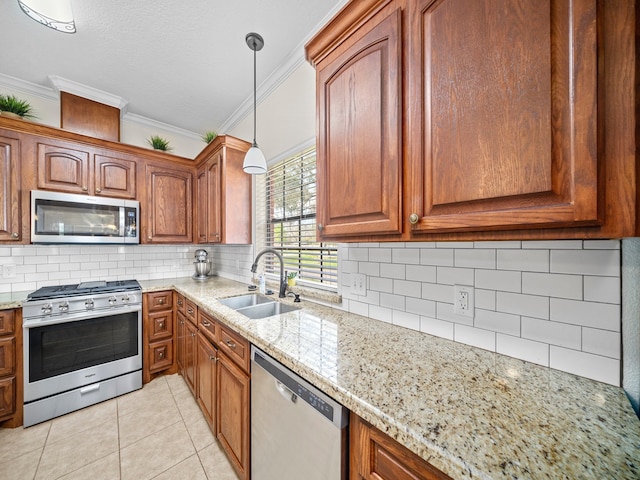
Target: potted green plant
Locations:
point(208, 137)
point(291, 278)
point(159, 143)
point(12, 106)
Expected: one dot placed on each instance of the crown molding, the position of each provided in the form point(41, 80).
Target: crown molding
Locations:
point(148, 122)
point(60, 84)
point(273, 81)
point(28, 87)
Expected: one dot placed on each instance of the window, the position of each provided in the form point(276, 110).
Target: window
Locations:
point(286, 222)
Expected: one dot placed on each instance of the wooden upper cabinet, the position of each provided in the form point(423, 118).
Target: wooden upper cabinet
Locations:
point(223, 193)
point(115, 177)
point(508, 118)
point(168, 208)
point(63, 168)
point(10, 214)
point(477, 120)
point(359, 88)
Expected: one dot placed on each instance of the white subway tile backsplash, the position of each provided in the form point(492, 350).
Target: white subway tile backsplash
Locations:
point(381, 284)
point(392, 270)
point(602, 369)
point(406, 320)
point(534, 352)
point(439, 328)
point(601, 342)
point(485, 299)
point(406, 255)
point(383, 314)
point(369, 268)
point(602, 289)
point(586, 262)
point(410, 289)
point(359, 308)
point(475, 258)
point(437, 256)
point(552, 285)
point(420, 307)
point(524, 260)
point(380, 255)
point(475, 337)
point(519, 304)
point(498, 245)
point(454, 276)
point(395, 302)
point(552, 244)
point(437, 292)
point(359, 254)
point(553, 333)
point(601, 244)
point(444, 311)
point(605, 316)
point(505, 280)
point(497, 322)
point(421, 273)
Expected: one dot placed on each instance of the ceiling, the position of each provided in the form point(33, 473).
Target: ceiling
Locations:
point(183, 63)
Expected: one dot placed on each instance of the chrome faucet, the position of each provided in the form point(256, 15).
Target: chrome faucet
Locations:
point(283, 281)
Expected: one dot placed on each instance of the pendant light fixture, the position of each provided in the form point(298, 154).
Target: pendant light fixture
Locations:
point(254, 161)
point(55, 14)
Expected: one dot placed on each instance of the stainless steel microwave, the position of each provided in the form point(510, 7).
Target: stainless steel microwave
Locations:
point(69, 218)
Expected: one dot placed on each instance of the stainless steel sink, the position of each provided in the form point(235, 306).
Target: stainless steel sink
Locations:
point(245, 301)
point(256, 306)
point(266, 310)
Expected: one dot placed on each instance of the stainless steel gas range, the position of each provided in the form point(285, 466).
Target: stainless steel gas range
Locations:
point(82, 345)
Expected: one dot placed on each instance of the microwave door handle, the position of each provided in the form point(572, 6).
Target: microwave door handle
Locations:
point(122, 225)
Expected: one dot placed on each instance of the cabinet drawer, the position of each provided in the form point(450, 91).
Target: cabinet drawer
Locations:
point(181, 304)
point(6, 322)
point(7, 356)
point(158, 301)
point(191, 312)
point(208, 326)
point(7, 397)
point(235, 346)
point(160, 355)
point(159, 325)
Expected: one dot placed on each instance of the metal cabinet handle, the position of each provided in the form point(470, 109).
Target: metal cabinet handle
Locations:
point(413, 218)
point(205, 323)
point(84, 189)
point(161, 355)
point(190, 310)
point(179, 302)
point(213, 358)
point(320, 227)
point(98, 190)
point(230, 344)
point(149, 237)
point(161, 301)
point(161, 324)
point(14, 235)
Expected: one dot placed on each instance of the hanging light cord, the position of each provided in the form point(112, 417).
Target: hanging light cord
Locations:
point(255, 113)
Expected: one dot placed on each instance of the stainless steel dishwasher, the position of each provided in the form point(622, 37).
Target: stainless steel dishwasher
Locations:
point(297, 431)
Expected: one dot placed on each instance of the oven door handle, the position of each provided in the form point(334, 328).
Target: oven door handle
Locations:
point(90, 388)
point(66, 318)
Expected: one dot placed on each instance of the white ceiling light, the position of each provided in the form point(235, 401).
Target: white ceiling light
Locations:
point(54, 14)
point(254, 161)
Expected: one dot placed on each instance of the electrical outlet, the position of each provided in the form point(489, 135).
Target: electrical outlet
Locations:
point(8, 271)
point(358, 284)
point(463, 300)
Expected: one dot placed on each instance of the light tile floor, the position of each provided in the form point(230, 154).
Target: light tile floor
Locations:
point(157, 432)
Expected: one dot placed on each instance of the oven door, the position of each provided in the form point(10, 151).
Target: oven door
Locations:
point(60, 355)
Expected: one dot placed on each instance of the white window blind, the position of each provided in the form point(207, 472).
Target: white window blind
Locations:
point(286, 222)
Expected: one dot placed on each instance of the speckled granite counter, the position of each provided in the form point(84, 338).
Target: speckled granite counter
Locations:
point(469, 412)
point(12, 300)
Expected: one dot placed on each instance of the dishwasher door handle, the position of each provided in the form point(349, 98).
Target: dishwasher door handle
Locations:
point(286, 392)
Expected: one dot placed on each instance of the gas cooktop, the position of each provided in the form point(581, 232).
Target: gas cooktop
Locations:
point(85, 288)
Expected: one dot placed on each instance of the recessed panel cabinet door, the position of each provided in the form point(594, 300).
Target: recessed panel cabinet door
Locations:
point(63, 169)
point(169, 205)
point(506, 136)
point(360, 133)
point(115, 177)
point(9, 189)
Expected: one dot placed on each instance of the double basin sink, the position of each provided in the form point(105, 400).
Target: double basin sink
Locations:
point(256, 306)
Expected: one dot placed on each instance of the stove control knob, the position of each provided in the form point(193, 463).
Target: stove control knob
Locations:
point(126, 299)
point(47, 308)
point(88, 304)
point(64, 307)
point(113, 301)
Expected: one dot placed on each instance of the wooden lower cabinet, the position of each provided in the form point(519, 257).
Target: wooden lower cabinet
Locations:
point(11, 393)
point(206, 375)
point(158, 328)
point(187, 341)
point(233, 414)
point(376, 456)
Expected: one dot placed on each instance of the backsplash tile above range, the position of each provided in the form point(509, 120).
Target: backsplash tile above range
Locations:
point(554, 303)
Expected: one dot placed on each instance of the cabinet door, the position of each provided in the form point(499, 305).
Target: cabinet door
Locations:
point(63, 169)
point(169, 205)
point(160, 355)
point(7, 356)
point(233, 414)
point(181, 326)
point(7, 397)
point(206, 379)
point(190, 345)
point(214, 220)
point(359, 145)
point(202, 205)
point(159, 325)
point(115, 177)
point(376, 456)
point(10, 189)
point(505, 136)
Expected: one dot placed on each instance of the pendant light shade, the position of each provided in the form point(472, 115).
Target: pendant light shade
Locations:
point(254, 161)
point(55, 14)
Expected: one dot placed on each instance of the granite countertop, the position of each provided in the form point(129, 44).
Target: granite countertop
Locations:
point(469, 412)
